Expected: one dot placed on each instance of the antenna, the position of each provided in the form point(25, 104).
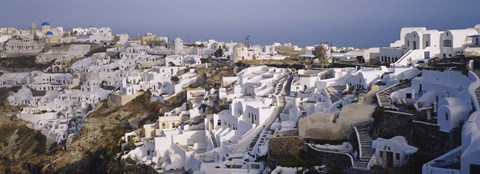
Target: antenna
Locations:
point(247, 40)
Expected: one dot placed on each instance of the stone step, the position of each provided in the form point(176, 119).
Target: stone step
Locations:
point(366, 156)
point(364, 160)
point(365, 138)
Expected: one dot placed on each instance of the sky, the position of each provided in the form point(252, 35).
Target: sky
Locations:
point(359, 23)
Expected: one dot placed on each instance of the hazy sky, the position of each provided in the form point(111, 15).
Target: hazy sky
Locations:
point(361, 23)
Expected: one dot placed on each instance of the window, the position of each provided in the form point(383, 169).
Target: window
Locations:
point(397, 156)
point(446, 116)
point(409, 96)
point(447, 43)
point(427, 44)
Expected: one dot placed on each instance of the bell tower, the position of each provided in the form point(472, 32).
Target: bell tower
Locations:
point(33, 29)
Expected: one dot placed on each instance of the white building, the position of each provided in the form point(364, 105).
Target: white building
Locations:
point(420, 44)
point(93, 35)
point(178, 46)
point(466, 155)
point(390, 153)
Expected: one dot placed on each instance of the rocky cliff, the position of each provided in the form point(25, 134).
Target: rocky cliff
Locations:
point(94, 150)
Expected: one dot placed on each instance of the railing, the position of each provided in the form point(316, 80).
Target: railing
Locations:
point(325, 151)
point(358, 141)
point(403, 57)
point(274, 116)
point(425, 123)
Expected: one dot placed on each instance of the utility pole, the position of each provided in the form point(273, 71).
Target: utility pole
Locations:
point(247, 40)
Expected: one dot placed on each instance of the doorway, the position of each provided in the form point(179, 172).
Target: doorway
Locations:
point(474, 168)
point(389, 159)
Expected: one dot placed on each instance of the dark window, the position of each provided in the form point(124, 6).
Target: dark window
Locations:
point(474, 168)
point(447, 43)
point(397, 156)
point(446, 116)
point(409, 95)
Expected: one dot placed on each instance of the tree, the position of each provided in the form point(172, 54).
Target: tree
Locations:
point(204, 60)
point(218, 53)
point(320, 52)
point(174, 79)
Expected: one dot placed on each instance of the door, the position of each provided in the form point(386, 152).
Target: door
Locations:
point(389, 159)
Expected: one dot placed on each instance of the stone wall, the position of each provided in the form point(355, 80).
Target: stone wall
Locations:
point(285, 146)
point(422, 135)
point(389, 124)
point(337, 160)
point(121, 100)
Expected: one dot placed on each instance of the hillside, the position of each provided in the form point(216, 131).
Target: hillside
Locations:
point(93, 150)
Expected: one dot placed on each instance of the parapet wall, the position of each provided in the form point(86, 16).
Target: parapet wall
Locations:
point(285, 146)
point(123, 99)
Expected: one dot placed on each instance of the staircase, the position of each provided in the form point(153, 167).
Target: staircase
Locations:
point(279, 86)
point(365, 146)
point(334, 92)
point(403, 58)
point(477, 91)
point(212, 136)
point(261, 137)
point(383, 97)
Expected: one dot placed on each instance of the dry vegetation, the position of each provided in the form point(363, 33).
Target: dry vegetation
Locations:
point(289, 51)
point(22, 64)
point(288, 61)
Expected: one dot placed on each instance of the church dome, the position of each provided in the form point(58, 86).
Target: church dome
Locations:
point(49, 33)
point(45, 24)
point(239, 45)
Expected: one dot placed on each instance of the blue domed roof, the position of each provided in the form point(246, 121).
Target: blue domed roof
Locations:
point(45, 24)
point(49, 33)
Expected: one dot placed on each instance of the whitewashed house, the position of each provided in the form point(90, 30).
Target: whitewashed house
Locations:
point(391, 153)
